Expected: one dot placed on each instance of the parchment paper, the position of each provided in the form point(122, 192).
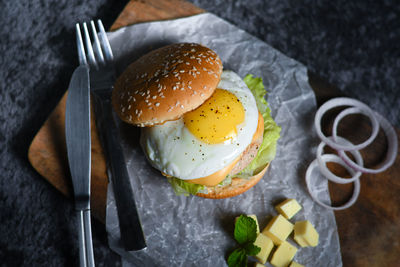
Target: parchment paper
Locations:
point(192, 231)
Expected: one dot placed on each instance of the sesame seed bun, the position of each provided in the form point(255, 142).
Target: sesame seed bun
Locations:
point(166, 83)
point(237, 187)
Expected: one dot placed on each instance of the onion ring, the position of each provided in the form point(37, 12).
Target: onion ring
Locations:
point(328, 174)
point(331, 158)
point(390, 135)
point(344, 101)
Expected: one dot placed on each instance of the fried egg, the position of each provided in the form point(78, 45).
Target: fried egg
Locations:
point(207, 139)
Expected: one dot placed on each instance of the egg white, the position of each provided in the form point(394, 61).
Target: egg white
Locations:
point(174, 150)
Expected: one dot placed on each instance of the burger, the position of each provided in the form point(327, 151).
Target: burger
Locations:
point(209, 132)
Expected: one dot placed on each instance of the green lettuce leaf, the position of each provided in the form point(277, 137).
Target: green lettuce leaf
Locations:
point(181, 187)
point(266, 151)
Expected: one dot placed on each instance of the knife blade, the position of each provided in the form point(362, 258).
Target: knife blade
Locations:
point(77, 134)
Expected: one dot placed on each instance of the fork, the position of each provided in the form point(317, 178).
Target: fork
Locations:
point(102, 77)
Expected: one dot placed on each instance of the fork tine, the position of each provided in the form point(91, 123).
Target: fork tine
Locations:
point(97, 47)
point(89, 48)
point(81, 48)
point(104, 42)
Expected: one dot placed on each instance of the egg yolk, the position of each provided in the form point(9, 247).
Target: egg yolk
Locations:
point(216, 120)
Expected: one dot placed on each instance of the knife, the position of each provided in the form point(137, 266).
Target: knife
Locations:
point(77, 135)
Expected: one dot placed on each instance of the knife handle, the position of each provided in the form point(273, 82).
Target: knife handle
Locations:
point(131, 231)
point(82, 243)
point(88, 238)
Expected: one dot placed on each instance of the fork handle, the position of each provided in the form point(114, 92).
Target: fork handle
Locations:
point(129, 222)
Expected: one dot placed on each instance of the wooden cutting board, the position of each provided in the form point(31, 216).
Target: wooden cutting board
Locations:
point(369, 231)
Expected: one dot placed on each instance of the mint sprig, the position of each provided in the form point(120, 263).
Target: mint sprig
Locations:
point(237, 258)
point(245, 234)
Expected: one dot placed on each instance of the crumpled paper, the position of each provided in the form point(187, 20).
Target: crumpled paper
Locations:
point(192, 231)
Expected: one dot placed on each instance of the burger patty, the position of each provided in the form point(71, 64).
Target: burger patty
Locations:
point(247, 156)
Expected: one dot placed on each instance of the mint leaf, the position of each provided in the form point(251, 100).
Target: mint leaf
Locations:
point(252, 249)
point(237, 258)
point(245, 230)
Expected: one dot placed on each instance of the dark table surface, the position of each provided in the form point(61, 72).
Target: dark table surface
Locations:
point(352, 44)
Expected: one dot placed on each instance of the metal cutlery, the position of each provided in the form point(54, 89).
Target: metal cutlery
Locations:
point(102, 77)
point(77, 133)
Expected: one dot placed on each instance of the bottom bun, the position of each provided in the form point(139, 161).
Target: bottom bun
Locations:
point(237, 187)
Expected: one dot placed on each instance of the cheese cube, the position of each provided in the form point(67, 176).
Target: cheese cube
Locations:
point(256, 264)
point(266, 245)
point(278, 229)
point(295, 264)
point(253, 217)
point(283, 255)
point(288, 208)
point(305, 234)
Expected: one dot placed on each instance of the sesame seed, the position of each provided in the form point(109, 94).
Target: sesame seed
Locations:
point(181, 71)
point(129, 107)
point(182, 106)
point(154, 97)
point(187, 63)
point(157, 104)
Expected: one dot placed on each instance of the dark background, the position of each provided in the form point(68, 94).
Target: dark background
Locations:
point(352, 44)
